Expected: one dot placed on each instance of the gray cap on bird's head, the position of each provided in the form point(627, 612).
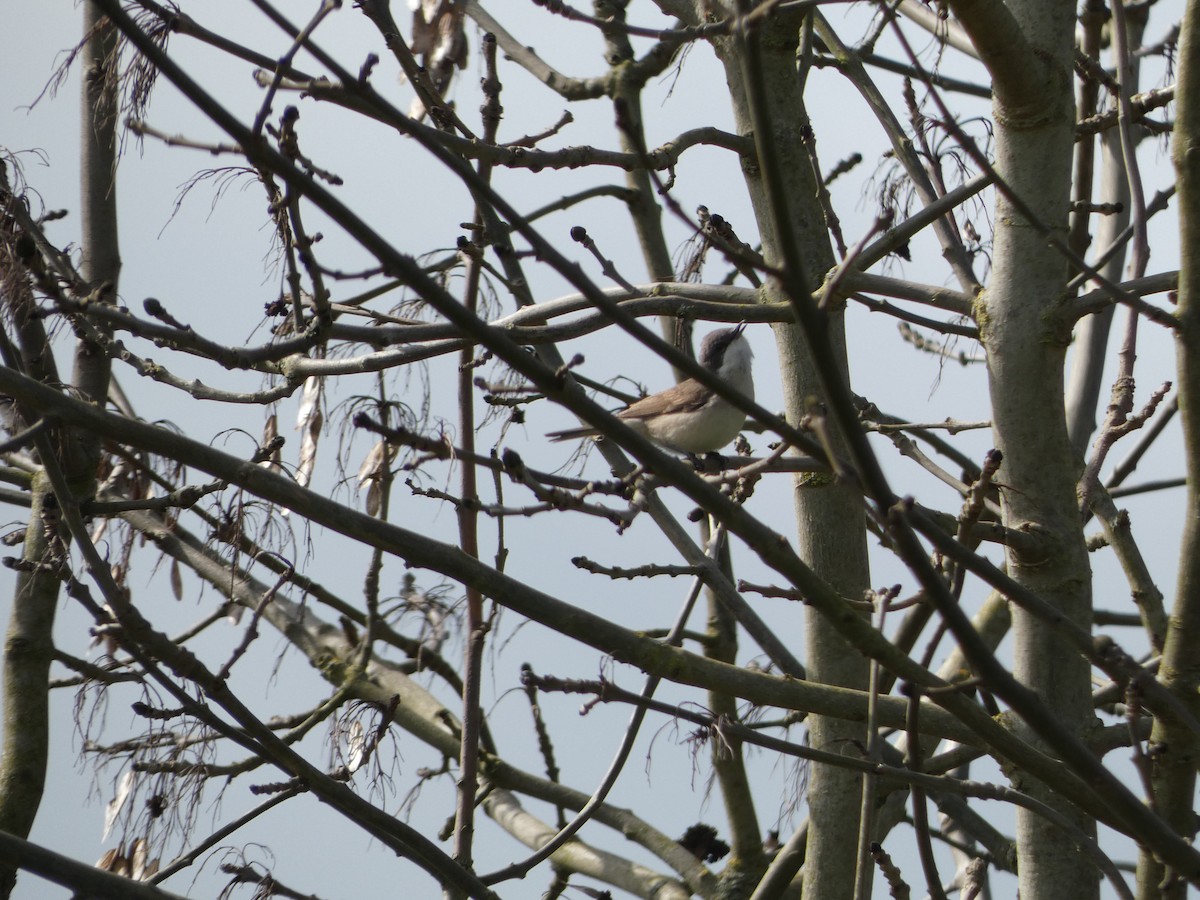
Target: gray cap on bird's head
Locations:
point(715, 343)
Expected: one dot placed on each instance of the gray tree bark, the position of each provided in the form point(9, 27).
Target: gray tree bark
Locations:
point(1028, 47)
point(1173, 772)
point(830, 532)
point(29, 644)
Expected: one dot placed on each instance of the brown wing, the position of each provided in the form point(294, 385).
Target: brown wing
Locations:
point(687, 396)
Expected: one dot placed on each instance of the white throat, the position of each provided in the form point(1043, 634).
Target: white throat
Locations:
point(735, 366)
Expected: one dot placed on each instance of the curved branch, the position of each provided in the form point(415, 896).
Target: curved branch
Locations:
point(1017, 70)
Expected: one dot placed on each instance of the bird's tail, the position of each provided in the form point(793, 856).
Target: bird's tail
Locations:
point(571, 434)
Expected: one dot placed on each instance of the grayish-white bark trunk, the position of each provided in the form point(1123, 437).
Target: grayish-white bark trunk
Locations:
point(1173, 771)
point(830, 532)
point(1025, 331)
point(29, 644)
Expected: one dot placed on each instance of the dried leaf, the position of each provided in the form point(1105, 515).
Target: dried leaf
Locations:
point(357, 745)
point(424, 34)
point(115, 861)
point(176, 580)
point(308, 423)
point(98, 530)
point(110, 483)
point(370, 474)
point(110, 858)
point(117, 803)
point(139, 850)
point(439, 38)
point(452, 41)
point(372, 466)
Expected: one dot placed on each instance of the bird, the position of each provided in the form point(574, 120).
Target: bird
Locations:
point(689, 417)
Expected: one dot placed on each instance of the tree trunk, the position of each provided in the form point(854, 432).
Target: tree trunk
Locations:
point(1173, 772)
point(1025, 332)
point(29, 644)
point(830, 531)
